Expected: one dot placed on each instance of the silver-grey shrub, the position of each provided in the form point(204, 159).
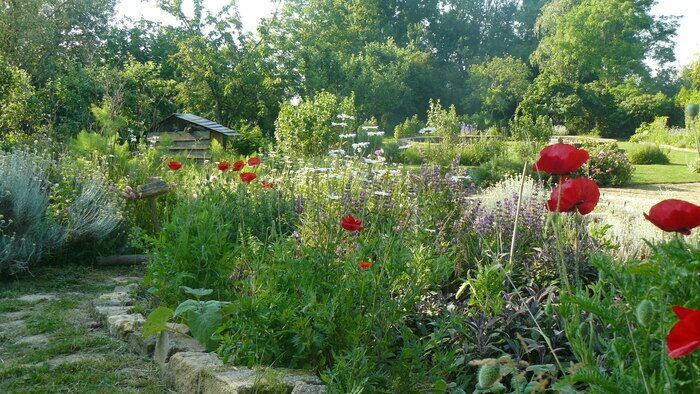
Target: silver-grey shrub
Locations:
point(95, 213)
point(31, 229)
point(26, 232)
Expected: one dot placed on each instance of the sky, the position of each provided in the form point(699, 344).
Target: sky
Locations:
point(687, 40)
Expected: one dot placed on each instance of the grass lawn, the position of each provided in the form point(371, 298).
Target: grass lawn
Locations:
point(56, 345)
point(675, 172)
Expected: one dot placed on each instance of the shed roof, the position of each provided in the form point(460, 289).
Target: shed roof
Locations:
point(206, 123)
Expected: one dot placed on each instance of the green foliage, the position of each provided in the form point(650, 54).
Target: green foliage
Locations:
point(608, 165)
point(658, 132)
point(500, 84)
point(202, 317)
point(494, 171)
point(199, 244)
point(251, 139)
point(48, 207)
point(17, 100)
point(690, 85)
point(649, 154)
point(528, 128)
point(156, 321)
point(593, 39)
point(630, 352)
point(306, 128)
point(409, 127)
point(444, 120)
point(480, 151)
point(386, 80)
point(486, 290)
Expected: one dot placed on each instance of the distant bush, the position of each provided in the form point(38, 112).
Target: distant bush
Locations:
point(657, 132)
point(307, 127)
point(608, 165)
point(411, 156)
point(494, 171)
point(445, 120)
point(409, 127)
point(649, 154)
point(530, 128)
point(250, 139)
point(480, 151)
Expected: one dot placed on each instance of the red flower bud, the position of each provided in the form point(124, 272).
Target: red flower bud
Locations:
point(175, 165)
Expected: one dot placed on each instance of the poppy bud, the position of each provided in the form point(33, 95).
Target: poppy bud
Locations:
point(489, 374)
point(644, 312)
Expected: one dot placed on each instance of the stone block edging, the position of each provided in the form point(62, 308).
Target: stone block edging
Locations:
point(185, 365)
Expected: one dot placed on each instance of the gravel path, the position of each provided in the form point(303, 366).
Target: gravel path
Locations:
point(651, 194)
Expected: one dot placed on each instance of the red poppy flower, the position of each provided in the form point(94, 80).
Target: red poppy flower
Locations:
point(254, 161)
point(267, 185)
point(561, 159)
point(684, 337)
point(675, 215)
point(365, 264)
point(175, 165)
point(351, 223)
point(247, 177)
point(224, 166)
point(237, 166)
point(580, 194)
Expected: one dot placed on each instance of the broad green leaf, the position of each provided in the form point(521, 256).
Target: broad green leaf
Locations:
point(204, 322)
point(186, 306)
point(156, 321)
point(197, 292)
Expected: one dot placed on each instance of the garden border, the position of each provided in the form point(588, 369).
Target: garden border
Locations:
point(185, 365)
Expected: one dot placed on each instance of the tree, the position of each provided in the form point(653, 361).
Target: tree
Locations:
point(586, 40)
point(17, 102)
point(306, 128)
point(499, 85)
point(388, 81)
point(44, 37)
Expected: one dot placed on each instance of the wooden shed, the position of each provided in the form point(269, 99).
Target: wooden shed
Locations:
point(191, 134)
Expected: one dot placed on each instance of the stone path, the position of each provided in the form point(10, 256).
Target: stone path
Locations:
point(51, 340)
point(651, 194)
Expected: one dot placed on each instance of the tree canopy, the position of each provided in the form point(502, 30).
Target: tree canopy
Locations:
point(583, 63)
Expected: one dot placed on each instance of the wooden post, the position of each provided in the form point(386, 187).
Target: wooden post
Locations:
point(151, 191)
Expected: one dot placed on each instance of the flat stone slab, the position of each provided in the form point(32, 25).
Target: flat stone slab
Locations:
point(34, 340)
point(10, 316)
point(72, 359)
point(123, 280)
point(104, 312)
point(245, 380)
point(128, 288)
point(123, 325)
point(37, 297)
point(305, 388)
point(121, 298)
point(169, 343)
point(13, 327)
point(184, 370)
